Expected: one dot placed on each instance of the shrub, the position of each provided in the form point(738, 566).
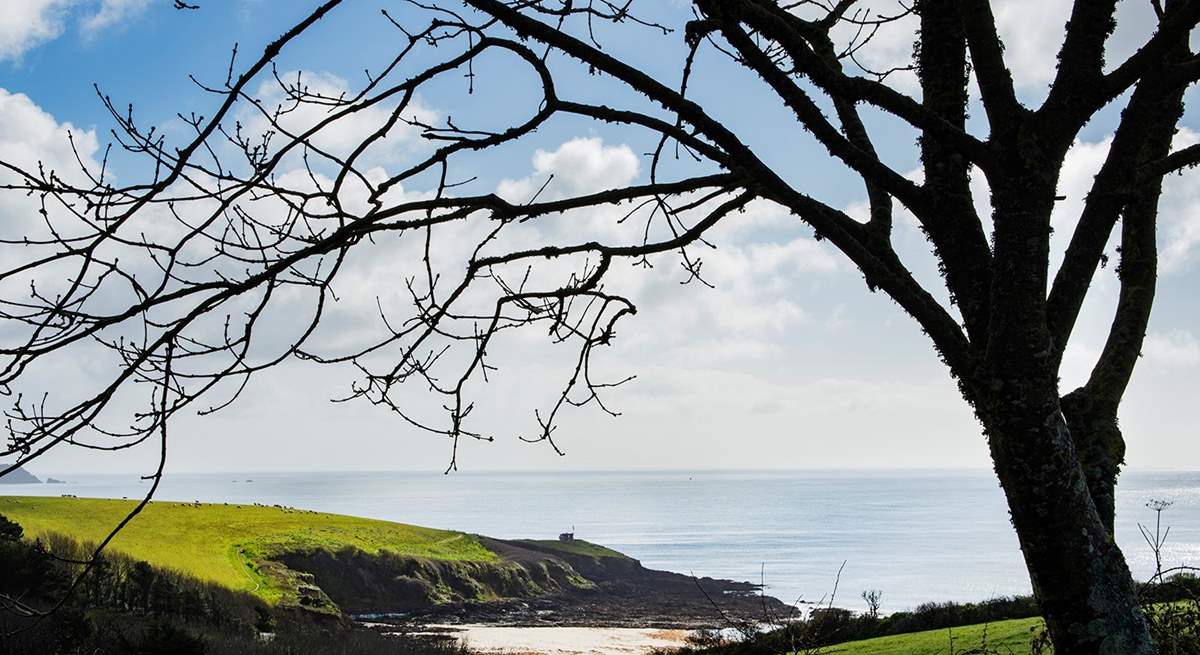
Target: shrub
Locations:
point(9, 531)
point(162, 638)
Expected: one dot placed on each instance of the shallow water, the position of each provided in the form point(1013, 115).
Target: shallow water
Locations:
point(916, 536)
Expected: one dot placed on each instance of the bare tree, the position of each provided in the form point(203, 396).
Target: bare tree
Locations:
point(178, 277)
point(873, 598)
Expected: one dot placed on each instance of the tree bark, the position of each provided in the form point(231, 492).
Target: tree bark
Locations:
point(1079, 576)
point(1100, 447)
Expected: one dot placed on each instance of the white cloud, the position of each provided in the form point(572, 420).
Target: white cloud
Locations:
point(1184, 235)
point(889, 48)
point(1174, 348)
point(25, 24)
point(1179, 213)
point(1079, 169)
point(1078, 360)
point(753, 311)
point(1032, 31)
point(759, 215)
point(761, 261)
point(341, 136)
point(28, 134)
point(735, 262)
point(579, 166)
point(30, 137)
point(111, 13)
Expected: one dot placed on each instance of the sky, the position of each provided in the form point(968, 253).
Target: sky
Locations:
point(788, 362)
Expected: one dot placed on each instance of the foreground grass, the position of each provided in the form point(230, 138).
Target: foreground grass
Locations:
point(1002, 637)
point(226, 544)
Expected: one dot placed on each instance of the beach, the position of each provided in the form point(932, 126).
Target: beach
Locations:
point(564, 640)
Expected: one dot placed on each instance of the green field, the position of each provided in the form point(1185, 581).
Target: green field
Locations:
point(1008, 637)
point(227, 544)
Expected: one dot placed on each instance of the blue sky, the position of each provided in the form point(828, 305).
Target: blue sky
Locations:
point(788, 363)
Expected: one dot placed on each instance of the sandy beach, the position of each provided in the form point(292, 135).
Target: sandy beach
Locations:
point(565, 641)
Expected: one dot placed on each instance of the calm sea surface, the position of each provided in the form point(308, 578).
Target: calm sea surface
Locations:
point(915, 536)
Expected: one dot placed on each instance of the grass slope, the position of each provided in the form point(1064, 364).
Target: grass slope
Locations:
point(227, 544)
point(1011, 636)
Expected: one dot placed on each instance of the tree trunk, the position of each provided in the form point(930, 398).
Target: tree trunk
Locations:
point(1079, 576)
point(1100, 448)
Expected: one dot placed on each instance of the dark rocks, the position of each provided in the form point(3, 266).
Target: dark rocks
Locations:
point(529, 584)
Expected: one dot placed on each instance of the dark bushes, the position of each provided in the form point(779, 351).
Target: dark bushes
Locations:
point(931, 616)
point(71, 633)
point(312, 641)
point(829, 627)
point(833, 625)
point(1172, 608)
point(1173, 611)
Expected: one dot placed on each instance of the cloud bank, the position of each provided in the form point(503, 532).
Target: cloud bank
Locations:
point(27, 24)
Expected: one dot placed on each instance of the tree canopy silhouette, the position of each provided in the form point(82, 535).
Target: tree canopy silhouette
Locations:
point(180, 277)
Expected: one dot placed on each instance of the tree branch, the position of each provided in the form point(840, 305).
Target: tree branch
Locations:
point(1142, 139)
point(795, 36)
point(952, 224)
point(1081, 57)
point(1172, 31)
point(1187, 157)
point(995, 80)
point(865, 162)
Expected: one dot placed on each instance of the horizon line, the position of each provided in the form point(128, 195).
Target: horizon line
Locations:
point(571, 471)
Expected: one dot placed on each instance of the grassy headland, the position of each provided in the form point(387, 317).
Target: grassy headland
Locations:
point(232, 544)
point(340, 565)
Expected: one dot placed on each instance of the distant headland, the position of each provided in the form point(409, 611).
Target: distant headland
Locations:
point(19, 476)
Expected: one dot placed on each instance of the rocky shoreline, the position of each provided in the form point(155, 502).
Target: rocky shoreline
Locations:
point(623, 594)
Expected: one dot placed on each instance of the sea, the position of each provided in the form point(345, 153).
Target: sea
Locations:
point(923, 536)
